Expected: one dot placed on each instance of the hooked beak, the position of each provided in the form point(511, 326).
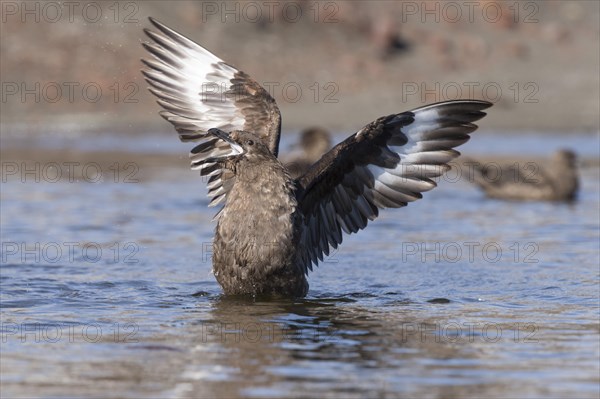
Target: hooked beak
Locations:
point(237, 149)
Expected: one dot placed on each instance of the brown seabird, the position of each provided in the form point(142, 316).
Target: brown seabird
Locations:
point(529, 181)
point(272, 229)
point(314, 143)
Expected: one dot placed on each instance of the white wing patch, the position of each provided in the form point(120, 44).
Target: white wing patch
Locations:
point(337, 202)
point(191, 84)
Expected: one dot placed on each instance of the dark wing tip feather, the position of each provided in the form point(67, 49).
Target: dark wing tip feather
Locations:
point(148, 32)
point(161, 27)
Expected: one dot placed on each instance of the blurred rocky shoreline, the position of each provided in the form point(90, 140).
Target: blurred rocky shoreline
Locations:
point(334, 64)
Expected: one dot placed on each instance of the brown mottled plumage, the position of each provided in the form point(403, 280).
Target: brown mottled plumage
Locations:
point(273, 228)
point(530, 181)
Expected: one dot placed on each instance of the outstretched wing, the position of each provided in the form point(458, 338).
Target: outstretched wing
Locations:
point(199, 91)
point(387, 164)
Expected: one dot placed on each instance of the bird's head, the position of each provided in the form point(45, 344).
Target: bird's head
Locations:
point(245, 146)
point(565, 156)
point(315, 142)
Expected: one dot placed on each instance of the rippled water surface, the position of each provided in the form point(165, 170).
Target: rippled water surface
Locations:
point(106, 291)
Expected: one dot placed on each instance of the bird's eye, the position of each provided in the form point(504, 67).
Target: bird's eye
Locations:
point(250, 142)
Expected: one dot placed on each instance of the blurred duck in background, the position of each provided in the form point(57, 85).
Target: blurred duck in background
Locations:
point(556, 181)
point(314, 142)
